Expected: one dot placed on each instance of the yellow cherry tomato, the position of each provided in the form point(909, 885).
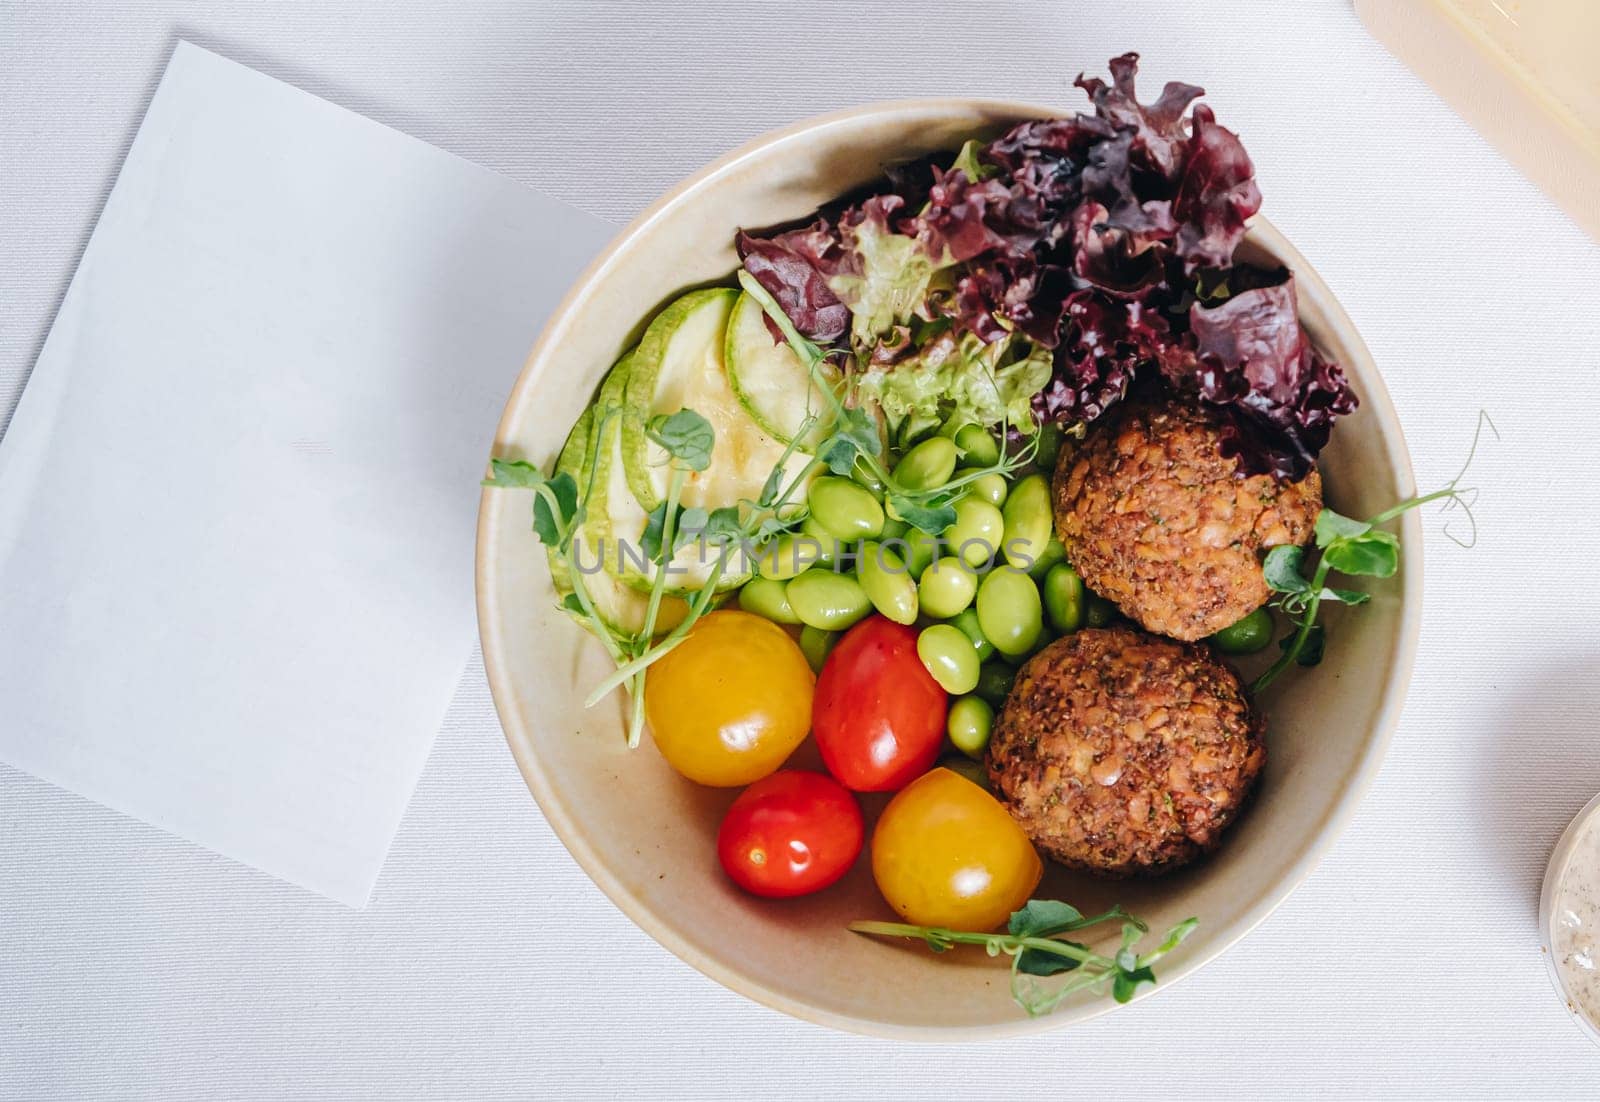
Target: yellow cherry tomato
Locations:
point(728, 704)
point(945, 853)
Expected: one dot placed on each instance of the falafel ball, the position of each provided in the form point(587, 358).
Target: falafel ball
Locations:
point(1157, 520)
point(1123, 753)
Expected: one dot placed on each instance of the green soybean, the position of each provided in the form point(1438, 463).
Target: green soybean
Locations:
point(1246, 636)
point(844, 509)
point(977, 446)
point(975, 535)
point(789, 555)
point(767, 597)
point(1062, 591)
point(1009, 610)
point(893, 528)
point(1028, 521)
point(829, 601)
point(888, 586)
point(1049, 447)
point(990, 487)
point(1053, 553)
point(815, 644)
point(947, 586)
point(921, 549)
point(994, 682)
point(968, 725)
point(948, 655)
point(1098, 612)
point(929, 464)
point(966, 767)
point(826, 539)
point(864, 476)
point(968, 623)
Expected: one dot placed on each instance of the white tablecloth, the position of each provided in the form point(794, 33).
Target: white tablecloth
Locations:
point(133, 964)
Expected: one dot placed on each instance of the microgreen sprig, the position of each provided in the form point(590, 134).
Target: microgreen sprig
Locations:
point(853, 439)
point(1035, 943)
point(1357, 548)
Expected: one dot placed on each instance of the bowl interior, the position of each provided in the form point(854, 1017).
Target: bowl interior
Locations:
point(646, 836)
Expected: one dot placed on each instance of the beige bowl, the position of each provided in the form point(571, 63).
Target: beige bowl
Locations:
point(646, 836)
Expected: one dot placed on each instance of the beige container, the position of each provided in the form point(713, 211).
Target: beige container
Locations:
point(1526, 73)
point(648, 837)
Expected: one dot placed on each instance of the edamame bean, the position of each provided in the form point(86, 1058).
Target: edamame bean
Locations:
point(947, 587)
point(844, 509)
point(929, 464)
point(1049, 447)
point(921, 549)
point(865, 477)
point(994, 682)
point(825, 600)
point(1028, 521)
point(966, 767)
point(1009, 610)
point(816, 644)
point(1246, 636)
point(968, 725)
point(883, 576)
point(948, 655)
point(789, 555)
point(1098, 612)
point(990, 487)
point(975, 535)
point(968, 623)
point(1053, 553)
point(977, 446)
point(767, 597)
point(1063, 597)
point(810, 529)
point(893, 528)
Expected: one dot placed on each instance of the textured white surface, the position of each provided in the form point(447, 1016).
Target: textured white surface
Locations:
point(487, 965)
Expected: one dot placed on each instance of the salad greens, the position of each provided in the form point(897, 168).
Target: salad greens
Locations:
point(1035, 943)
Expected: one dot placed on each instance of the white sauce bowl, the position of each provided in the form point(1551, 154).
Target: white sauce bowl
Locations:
point(1555, 874)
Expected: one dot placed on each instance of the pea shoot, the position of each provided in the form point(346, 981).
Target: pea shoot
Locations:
point(1035, 942)
point(1355, 548)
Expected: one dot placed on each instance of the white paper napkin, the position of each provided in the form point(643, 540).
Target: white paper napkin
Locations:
point(237, 499)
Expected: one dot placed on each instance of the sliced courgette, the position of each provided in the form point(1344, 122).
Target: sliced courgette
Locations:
point(770, 381)
point(617, 603)
point(679, 365)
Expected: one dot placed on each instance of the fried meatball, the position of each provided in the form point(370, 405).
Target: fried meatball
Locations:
point(1157, 520)
point(1123, 753)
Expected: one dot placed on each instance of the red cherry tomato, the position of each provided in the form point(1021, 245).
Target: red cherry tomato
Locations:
point(789, 834)
point(878, 714)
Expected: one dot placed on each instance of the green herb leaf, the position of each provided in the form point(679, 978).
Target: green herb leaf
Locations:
point(771, 488)
point(1333, 526)
point(724, 525)
point(1128, 982)
point(854, 434)
point(929, 518)
point(1311, 653)
point(1345, 596)
point(1041, 917)
point(1282, 569)
point(686, 436)
point(513, 474)
point(571, 603)
point(546, 522)
point(1376, 554)
point(655, 526)
point(690, 527)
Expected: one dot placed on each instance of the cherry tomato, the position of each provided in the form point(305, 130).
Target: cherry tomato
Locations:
point(728, 704)
point(879, 715)
point(790, 834)
point(945, 853)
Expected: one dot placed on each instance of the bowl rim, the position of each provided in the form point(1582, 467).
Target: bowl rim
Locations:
point(1356, 784)
point(1554, 873)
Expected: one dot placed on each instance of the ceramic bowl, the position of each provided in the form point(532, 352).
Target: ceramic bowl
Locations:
point(646, 836)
